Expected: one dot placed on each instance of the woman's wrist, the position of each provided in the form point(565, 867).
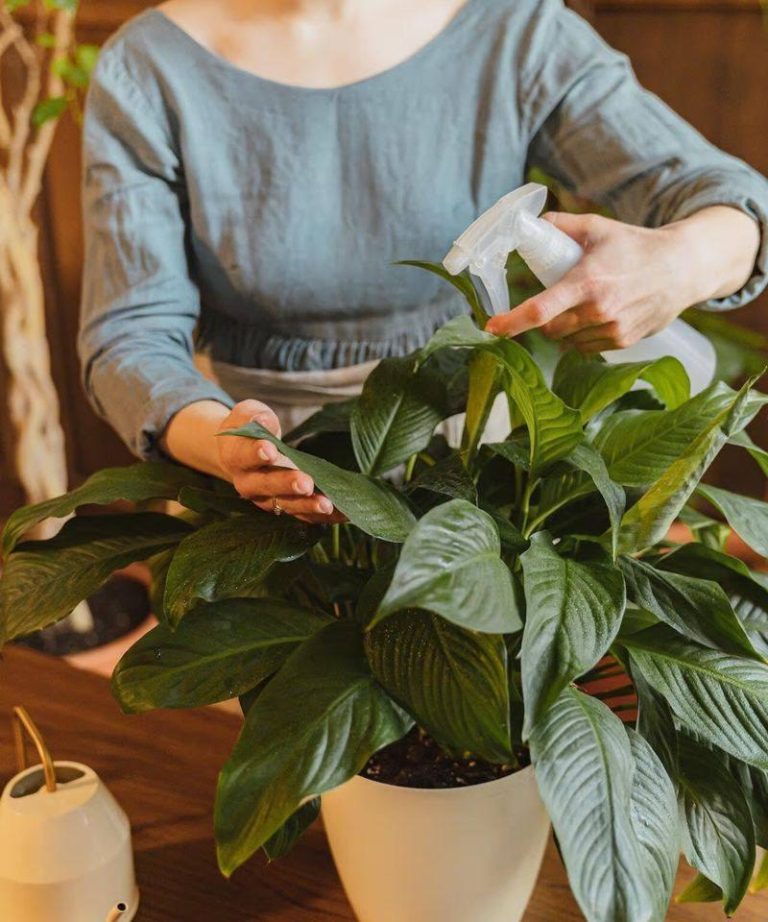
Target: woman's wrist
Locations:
point(718, 247)
point(190, 436)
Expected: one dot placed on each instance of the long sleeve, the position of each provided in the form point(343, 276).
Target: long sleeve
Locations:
point(139, 306)
point(596, 130)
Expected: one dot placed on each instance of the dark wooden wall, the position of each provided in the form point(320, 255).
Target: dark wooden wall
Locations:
point(707, 58)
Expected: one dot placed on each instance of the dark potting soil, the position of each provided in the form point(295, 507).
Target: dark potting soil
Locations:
point(416, 761)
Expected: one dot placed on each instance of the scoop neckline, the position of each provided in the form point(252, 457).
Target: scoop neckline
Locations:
point(223, 63)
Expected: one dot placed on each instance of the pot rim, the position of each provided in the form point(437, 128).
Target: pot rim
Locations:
point(444, 792)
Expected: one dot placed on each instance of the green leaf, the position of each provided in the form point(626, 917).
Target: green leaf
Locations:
point(136, 483)
point(653, 805)
point(231, 558)
point(484, 385)
point(639, 447)
point(591, 384)
point(453, 681)
point(574, 611)
point(718, 838)
point(753, 783)
point(396, 414)
point(218, 652)
point(747, 517)
point(49, 109)
point(696, 608)
point(312, 728)
point(372, 505)
point(584, 769)
point(648, 521)
point(447, 477)
point(554, 428)
point(462, 282)
point(758, 454)
point(655, 722)
point(722, 698)
point(86, 57)
point(459, 333)
point(333, 417)
point(43, 581)
point(747, 594)
point(450, 564)
point(292, 829)
point(700, 890)
point(516, 449)
point(205, 501)
point(705, 530)
point(70, 73)
point(590, 473)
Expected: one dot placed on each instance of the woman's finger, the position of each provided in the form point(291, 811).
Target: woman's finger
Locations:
point(239, 453)
point(273, 481)
point(315, 505)
point(580, 227)
point(539, 310)
point(572, 321)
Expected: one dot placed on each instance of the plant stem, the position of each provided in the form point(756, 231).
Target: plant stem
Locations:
point(336, 541)
point(526, 505)
point(409, 467)
point(319, 553)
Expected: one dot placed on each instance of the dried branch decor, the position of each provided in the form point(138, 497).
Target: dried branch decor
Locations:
point(55, 71)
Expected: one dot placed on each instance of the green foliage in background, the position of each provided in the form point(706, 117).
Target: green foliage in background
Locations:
point(73, 64)
point(466, 580)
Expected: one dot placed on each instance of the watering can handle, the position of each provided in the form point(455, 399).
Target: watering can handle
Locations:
point(21, 722)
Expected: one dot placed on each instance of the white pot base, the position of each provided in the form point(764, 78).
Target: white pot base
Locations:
point(455, 855)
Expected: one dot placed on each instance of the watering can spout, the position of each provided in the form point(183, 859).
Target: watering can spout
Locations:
point(117, 912)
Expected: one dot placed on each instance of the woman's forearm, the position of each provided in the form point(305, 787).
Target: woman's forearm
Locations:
point(722, 245)
point(190, 437)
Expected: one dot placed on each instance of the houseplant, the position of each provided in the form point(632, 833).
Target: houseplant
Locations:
point(475, 597)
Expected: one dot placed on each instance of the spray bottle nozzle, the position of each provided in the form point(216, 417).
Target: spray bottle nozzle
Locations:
point(512, 224)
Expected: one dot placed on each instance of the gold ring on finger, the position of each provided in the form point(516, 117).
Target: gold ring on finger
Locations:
point(277, 509)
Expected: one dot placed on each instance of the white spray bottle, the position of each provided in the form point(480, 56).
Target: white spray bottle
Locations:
point(513, 223)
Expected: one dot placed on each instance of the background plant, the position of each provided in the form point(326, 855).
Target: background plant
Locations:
point(55, 72)
point(479, 592)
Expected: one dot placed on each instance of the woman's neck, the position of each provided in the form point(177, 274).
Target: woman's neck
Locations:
point(313, 43)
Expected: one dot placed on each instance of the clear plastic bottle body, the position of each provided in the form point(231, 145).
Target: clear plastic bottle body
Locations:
point(550, 254)
point(512, 223)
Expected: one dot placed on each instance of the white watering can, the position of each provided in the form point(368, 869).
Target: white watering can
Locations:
point(65, 842)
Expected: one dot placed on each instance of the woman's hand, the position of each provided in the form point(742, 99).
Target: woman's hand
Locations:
point(261, 474)
point(634, 281)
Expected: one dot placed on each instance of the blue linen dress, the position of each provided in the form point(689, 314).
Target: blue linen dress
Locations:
point(260, 221)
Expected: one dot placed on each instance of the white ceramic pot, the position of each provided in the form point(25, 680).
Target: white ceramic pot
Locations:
point(450, 855)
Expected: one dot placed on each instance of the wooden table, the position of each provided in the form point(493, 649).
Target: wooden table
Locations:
point(162, 767)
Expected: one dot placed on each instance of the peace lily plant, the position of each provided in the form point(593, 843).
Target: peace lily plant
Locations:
point(474, 592)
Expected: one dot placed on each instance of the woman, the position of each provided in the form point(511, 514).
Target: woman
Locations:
point(254, 167)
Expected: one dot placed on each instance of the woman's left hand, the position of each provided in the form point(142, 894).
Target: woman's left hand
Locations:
point(634, 281)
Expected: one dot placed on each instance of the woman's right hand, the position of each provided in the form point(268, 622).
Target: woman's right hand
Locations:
point(264, 476)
